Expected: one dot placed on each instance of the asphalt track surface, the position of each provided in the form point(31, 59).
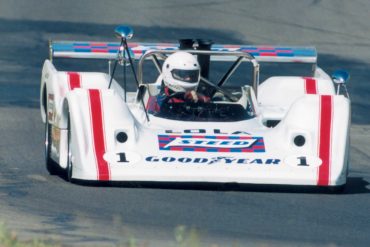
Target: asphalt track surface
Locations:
point(37, 205)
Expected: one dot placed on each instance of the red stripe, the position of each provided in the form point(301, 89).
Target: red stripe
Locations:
point(269, 54)
point(266, 48)
point(177, 148)
point(226, 150)
point(100, 50)
point(284, 51)
point(200, 149)
point(74, 80)
point(326, 118)
point(310, 85)
point(98, 44)
point(97, 127)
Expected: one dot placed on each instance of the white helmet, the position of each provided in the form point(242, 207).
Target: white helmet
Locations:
point(181, 72)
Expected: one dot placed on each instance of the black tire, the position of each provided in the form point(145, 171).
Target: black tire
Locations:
point(69, 168)
point(51, 165)
point(339, 189)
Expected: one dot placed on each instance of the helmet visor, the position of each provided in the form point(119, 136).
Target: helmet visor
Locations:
point(191, 76)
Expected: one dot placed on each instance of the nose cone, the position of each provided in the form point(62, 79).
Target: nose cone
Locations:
point(124, 32)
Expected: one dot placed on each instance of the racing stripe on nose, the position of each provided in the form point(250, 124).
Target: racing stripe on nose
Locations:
point(310, 85)
point(74, 80)
point(325, 139)
point(98, 138)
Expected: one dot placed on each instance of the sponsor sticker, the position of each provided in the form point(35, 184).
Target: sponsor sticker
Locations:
point(223, 160)
point(211, 143)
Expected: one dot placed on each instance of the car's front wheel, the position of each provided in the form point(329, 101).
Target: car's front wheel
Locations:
point(69, 169)
point(51, 165)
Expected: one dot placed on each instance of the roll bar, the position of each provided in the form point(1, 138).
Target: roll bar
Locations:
point(155, 55)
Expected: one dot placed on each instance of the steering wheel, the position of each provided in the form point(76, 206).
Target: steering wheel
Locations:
point(228, 95)
point(174, 95)
point(182, 110)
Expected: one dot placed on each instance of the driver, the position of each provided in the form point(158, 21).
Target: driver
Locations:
point(180, 80)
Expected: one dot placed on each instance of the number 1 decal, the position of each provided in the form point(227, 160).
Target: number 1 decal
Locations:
point(122, 157)
point(302, 161)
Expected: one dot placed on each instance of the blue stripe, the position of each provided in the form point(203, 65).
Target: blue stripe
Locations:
point(81, 44)
point(272, 50)
point(113, 44)
point(82, 50)
point(304, 52)
point(62, 47)
point(211, 137)
point(285, 54)
point(99, 47)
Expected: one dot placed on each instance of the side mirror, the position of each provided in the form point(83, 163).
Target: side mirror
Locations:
point(340, 76)
point(124, 32)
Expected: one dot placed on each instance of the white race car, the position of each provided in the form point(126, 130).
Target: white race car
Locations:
point(287, 130)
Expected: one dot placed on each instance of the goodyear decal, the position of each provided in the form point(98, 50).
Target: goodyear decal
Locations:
point(223, 160)
point(211, 143)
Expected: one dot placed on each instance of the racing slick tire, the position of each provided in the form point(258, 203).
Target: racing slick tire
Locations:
point(69, 168)
point(340, 189)
point(51, 165)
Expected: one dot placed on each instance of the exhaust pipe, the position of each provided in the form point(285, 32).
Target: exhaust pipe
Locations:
point(186, 44)
point(203, 45)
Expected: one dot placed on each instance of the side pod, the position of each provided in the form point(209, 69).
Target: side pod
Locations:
point(318, 126)
point(95, 118)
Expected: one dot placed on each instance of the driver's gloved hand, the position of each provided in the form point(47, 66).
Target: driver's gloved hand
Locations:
point(195, 97)
point(191, 96)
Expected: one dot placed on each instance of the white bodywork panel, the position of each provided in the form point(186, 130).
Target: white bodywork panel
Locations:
point(278, 93)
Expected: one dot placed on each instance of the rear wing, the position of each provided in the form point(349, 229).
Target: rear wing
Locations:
point(109, 50)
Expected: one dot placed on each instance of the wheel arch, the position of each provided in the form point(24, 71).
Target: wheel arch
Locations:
point(48, 72)
point(43, 102)
point(74, 116)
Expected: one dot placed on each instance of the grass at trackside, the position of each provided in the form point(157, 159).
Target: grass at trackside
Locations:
point(10, 239)
point(183, 237)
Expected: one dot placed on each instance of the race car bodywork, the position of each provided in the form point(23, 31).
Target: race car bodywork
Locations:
point(288, 130)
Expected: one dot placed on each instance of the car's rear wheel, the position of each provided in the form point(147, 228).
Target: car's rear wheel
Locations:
point(51, 165)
